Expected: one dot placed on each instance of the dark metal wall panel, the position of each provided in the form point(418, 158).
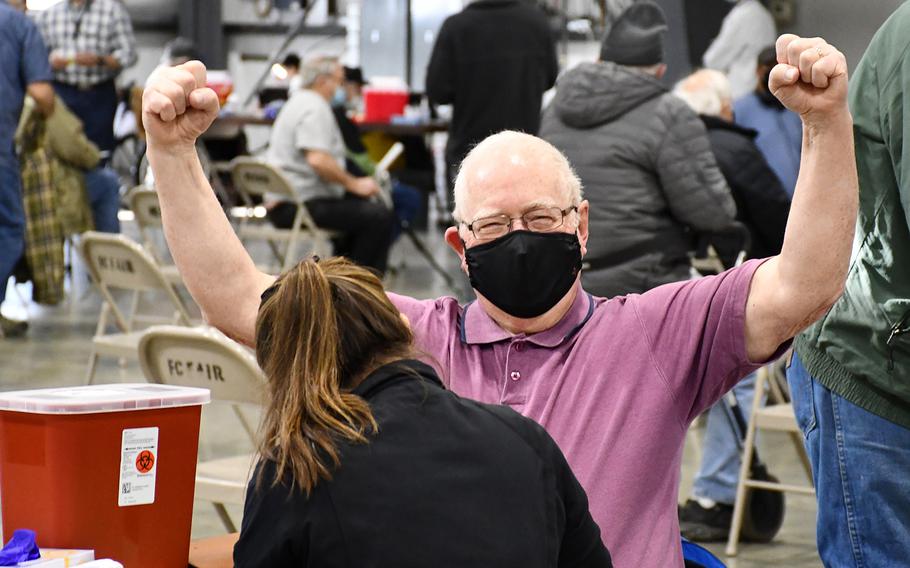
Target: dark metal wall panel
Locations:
point(200, 21)
point(676, 44)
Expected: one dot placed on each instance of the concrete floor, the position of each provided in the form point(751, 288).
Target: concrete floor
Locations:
point(55, 353)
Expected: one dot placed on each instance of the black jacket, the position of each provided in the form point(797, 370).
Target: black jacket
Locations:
point(648, 171)
point(492, 61)
point(445, 482)
point(762, 204)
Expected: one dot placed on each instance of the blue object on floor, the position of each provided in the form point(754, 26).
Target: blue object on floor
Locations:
point(697, 556)
point(20, 548)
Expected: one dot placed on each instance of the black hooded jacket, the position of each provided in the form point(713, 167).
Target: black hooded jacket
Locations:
point(492, 62)
point(762, 204)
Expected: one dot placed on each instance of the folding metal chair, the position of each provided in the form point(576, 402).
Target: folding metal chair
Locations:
point(118, 262)
point(254, 178)
point(203, 357)
point(778, 416)
point(144, 204)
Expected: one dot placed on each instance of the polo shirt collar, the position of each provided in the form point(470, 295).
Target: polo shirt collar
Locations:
point(476, 327)
point(387, 375)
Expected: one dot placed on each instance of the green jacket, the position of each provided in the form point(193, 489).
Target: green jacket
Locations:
point(861, 349)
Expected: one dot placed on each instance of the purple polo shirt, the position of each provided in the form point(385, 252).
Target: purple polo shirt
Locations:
point(615, 383)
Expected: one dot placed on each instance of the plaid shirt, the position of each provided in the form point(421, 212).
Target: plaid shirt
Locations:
point(98, 26)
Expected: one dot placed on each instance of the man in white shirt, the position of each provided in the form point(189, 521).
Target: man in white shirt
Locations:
point(747, 29)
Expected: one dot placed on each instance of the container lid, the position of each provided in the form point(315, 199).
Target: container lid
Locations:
point(102, 398)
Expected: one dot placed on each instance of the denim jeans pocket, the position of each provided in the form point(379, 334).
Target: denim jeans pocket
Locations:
point(802, 387)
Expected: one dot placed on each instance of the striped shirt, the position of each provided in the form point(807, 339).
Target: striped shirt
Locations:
point(101, 27)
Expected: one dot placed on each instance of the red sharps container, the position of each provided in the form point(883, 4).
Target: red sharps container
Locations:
point(107, 467)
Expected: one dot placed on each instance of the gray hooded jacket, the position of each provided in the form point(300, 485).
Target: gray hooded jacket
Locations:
point(647, 168)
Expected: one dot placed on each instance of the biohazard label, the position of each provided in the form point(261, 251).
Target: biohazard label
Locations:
point(138, 466)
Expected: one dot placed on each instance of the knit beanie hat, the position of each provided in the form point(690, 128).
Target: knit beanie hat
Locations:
point(637, 36)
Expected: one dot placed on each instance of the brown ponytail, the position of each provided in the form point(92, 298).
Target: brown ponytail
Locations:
point(322, 327)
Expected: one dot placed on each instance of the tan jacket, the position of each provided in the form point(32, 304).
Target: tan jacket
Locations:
point(53, 154)
point(74, 154)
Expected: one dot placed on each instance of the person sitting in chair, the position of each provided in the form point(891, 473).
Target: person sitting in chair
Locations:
point(307, 146)
point(405, 198)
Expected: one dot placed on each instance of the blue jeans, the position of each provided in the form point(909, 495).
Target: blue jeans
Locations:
point(718, 473)
point(860, 466)
point(406, 200)
point(103, 188)
point(12, 220)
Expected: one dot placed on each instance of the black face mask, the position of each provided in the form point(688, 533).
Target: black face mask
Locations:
point(523, 273)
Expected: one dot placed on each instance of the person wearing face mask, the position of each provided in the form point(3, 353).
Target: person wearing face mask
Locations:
point(615, 382)
point(307, 145)
point(780, 131)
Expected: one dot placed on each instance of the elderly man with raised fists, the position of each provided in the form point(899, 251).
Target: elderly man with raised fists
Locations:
point(615, 382)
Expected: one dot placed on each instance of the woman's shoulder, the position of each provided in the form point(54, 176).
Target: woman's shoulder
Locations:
point(513, 425)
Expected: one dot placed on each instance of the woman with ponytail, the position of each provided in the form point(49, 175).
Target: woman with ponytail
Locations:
point(366, 460)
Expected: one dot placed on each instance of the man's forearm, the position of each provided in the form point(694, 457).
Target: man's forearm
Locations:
point(213, 262)
point(328, 169)
point(819, 238)
point(43, 93)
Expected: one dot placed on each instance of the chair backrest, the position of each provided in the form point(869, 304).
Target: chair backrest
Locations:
point(203, 357)
point(116, 261)
point(147, 212)
point(144, 203)
point(255, 177)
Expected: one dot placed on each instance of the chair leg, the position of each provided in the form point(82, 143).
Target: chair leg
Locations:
point(225, 518)
point(741, 490)
point(92, 366)
point(431, 260)
point(693, 440)
point(276, 252)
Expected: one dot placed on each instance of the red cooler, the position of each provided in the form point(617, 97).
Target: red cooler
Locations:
point(108, 467)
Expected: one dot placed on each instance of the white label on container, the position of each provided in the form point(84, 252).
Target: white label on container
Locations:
point(138, 467)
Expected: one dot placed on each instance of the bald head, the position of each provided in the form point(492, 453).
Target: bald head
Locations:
point(707, 92)
point(514, 162)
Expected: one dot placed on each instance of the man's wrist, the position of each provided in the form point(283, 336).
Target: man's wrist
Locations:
point(831, 122)
point(171, 151)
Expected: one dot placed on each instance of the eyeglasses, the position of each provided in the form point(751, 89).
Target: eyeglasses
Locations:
point(539, 220)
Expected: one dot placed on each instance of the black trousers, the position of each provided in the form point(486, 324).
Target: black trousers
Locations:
point(95, 107)
point(366, 226)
